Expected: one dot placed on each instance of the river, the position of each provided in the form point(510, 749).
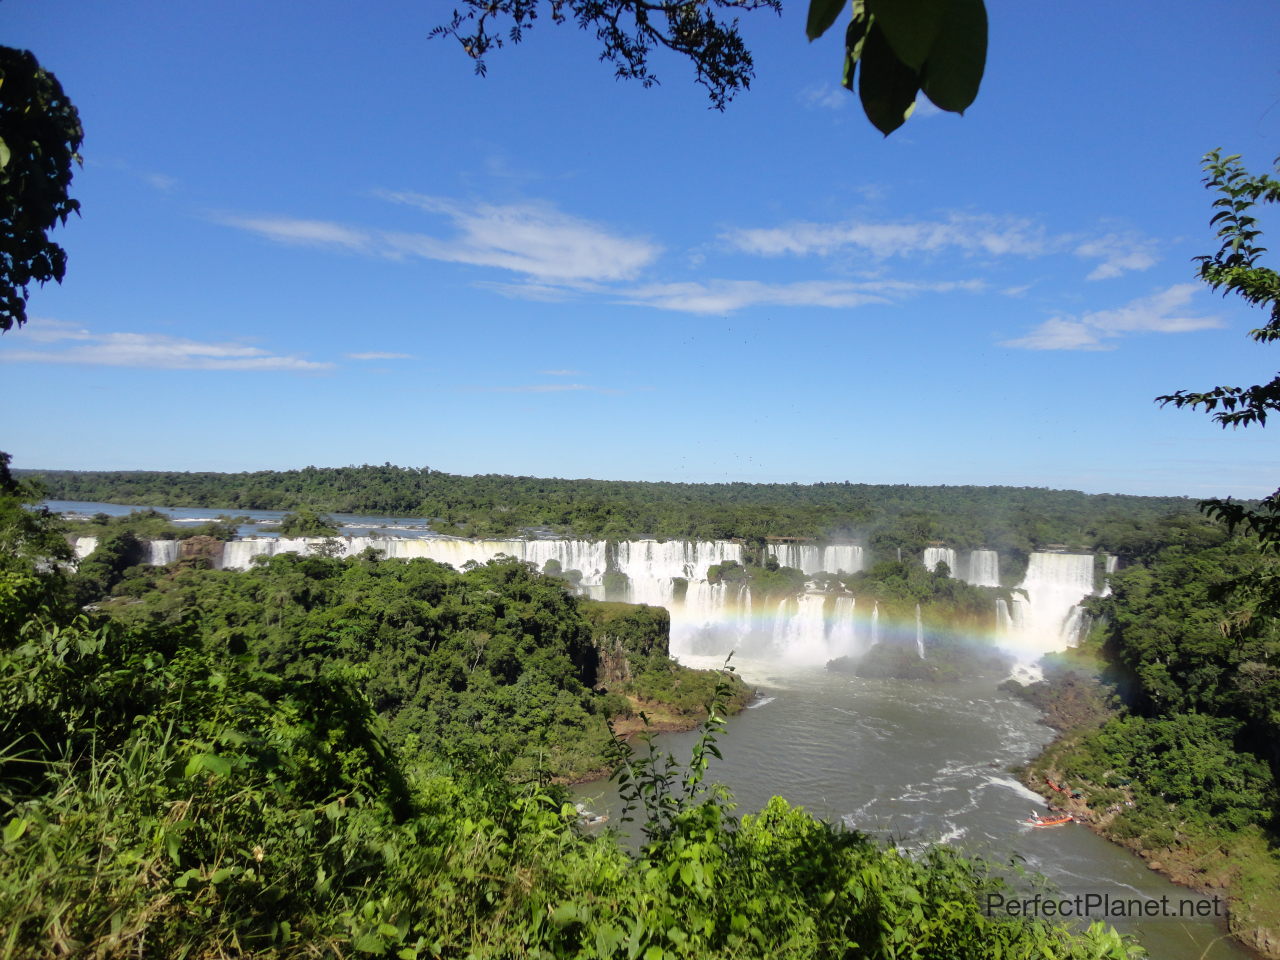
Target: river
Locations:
point(923, 762)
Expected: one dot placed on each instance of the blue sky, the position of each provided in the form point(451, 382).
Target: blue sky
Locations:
point(312, 235)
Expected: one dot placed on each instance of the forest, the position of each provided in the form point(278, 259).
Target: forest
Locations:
point(1008, 519)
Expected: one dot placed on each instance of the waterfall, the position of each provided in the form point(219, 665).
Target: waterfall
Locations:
point(810, 559)
point(984, 568)
point(843, 636)
point(800, 630)
point(842, 558)
point(84, 546)
point(714, 618)
point(1110, 565)
point(1047, 617)
point(1003, 621)
point(161, 552)
point(919, 633)
point(875, 623)
point(935, 555)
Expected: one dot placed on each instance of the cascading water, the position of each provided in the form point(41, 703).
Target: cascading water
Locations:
point(984, 569)
point(1046, 613)
point(1110, 566)
point(800, 630)
point(84, 546)
point(919, 633)
point(810, 559)
point(161, 552)
point(935, 555)
point(843, 636)
point(981, 568)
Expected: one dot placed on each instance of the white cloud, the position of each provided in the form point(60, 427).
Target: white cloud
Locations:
point(160, 181)
point(533, 239)
point(827, 96)
point(1161, 312)
point(726, 296)
point(1158, 313)
point(48, 330)
point(1119, 253)
point(1059, 334)
point(970, 234)
point(551, 388)
point(379, 355)
point(155, 351)
point(308, 233)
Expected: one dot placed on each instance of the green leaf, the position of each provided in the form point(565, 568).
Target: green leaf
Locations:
point(5, 154)
point(822, 14)
point(888, 86)
point(952, 74)
point(223, 875)
point(214, 764)
point(910, 26)
point(855, 35)
point(565, 913)
point(14, 829)
point(369, 943)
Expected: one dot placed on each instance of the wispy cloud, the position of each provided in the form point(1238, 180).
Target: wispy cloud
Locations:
point(379, 355)
point(161, 181)
point(1120, 253)
point(1161, 312)
point(727, 296)
point(965, 233)
point(826, 96)
point(551, 388)
point(148, 350)
point(532, 239)
point(561, 373)
point(305, 233)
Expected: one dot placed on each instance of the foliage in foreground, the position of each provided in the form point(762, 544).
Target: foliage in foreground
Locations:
point(159, 799)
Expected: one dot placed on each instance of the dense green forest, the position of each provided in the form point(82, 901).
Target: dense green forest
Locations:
point(1185, 766)
point(349, 758)
point(1009, 519)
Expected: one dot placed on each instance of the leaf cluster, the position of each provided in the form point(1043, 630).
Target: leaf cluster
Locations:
point(40, 137)
point(628, 32)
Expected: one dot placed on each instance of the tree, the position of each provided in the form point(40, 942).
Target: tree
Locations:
point(1234, 269)
point(30, 534)
point(40, 136)
point(305, 522)
point(905, 47)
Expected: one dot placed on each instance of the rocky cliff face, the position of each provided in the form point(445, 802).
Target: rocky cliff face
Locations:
point(625, 635)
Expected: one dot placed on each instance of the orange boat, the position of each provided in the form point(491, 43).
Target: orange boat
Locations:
point(1035, 820)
